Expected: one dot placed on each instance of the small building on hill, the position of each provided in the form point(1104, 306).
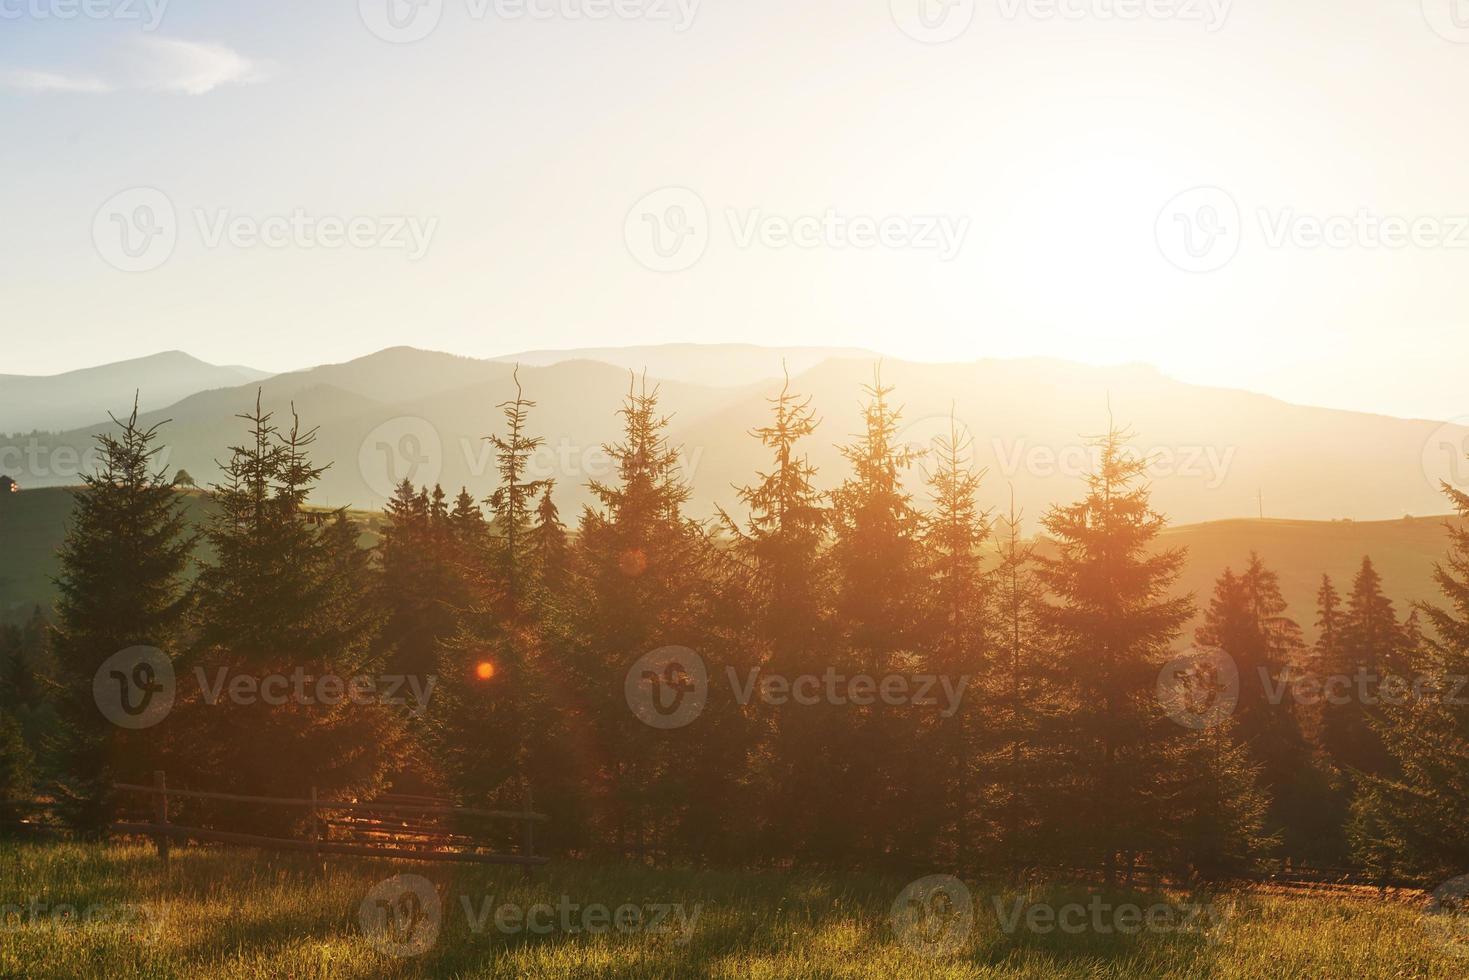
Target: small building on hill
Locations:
point(7, 485)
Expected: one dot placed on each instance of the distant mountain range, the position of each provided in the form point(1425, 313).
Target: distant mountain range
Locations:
point(78, 398)
point(403, 412)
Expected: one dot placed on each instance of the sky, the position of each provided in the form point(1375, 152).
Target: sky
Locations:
point(1244, 193)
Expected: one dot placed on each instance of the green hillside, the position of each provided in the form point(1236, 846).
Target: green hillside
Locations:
point(33, 523)
point(1404, 552)
point(33, 526)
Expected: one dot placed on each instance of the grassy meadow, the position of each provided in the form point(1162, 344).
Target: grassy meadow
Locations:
point(93, 910)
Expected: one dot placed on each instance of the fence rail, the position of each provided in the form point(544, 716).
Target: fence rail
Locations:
point(382, 828)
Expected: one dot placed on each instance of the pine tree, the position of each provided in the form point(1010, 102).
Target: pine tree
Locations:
point(284, 594)
point(642, 572)
point(1021, 704)
point(1411, 819)
point(17, 775)
point(548, 550)
point(1218, 810)
point(1370, 649)
point(511, 502)
point(1247, 619)
point(778, 551)
point(954, 535)
point(496, 646)
point(425, 569)
point(121, 586)
point(877, 570)
point(1111, 619)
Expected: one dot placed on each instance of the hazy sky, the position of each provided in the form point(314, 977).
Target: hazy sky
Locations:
point(280, 183)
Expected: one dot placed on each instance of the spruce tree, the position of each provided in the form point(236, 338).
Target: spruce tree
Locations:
point(122, 585)
point(778, 550)
point(1411, 819)
point(1021, 704)
point(954, 534)
point(1112, 619)
point(285, 594)
point(1246, 618)
point(877, 573)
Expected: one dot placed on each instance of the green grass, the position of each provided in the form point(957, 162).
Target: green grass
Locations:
point(234, 913)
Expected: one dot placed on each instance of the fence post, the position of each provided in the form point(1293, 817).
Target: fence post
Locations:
point(160, 813)
point(315, 828)
point(528, 830)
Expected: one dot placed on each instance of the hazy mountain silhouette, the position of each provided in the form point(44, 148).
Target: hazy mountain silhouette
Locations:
point(76, 398)
point(422, 415)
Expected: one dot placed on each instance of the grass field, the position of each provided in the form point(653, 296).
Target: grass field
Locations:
point(88, 910)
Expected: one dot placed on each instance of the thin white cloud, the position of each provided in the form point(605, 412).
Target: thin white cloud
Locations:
point(169, 65)
point(46, 81)
point(152, 64)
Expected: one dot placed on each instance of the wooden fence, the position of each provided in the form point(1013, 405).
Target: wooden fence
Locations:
point(408, 828)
